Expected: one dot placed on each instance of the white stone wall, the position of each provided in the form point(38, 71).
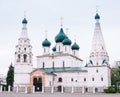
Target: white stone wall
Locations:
point(70, 79)
point(21, 79)
point(69, 61)
point(97, 73)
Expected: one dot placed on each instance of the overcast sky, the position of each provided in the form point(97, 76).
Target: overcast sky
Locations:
point(42, 15)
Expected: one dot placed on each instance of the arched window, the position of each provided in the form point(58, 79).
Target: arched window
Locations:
point(53, 65)
point(43, 65)
point(93, 79)
point(97, 70)
point(60, 79)
point(101, 78)
point(84, 79)
point(65, 48)
point(63, 64)
point(59, 48)
point(18, 60)
point(25, 57)
point(24, 49)
point(74, 53)
point(44, 50)
point(71, 79)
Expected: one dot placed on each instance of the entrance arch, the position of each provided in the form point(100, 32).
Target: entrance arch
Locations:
point(59, 88)
point(37, 82)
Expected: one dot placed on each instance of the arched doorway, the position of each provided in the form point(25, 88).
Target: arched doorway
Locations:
point(37, 82)
point(59, 88)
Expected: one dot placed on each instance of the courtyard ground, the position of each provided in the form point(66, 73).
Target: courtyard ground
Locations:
point(56, 95)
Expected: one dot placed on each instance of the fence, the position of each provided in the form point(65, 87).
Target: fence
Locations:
point(52, 89)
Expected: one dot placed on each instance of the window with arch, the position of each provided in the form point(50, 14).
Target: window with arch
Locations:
point(71, 79)
point(18, 59)
point(25, 49)
point(59, 48)
point(74, 52)
point(53, 65)
point(101, 78)
point(59, 79)
point(63, 64)
point(65, 48)
point(44, 50)
point(24, 58)
point(43, 65)
point(84, 79)
point(93, 79)
point(97, 70)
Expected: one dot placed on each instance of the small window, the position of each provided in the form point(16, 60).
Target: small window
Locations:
point(25, 49)
point(63, 64)
point(60, 79)
point(53, 65)
point(101, 78)
point(59, 48)
point(84, 79)
point(18, 60)
point(25, 57)
point(71, 79)
point(44, 50)
point(74, 52)
point(97, 70)
point(93, 79)
point(43, 65)
point(65, 48)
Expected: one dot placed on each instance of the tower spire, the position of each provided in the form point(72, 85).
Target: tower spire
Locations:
point(98, 54)
point(24, 28)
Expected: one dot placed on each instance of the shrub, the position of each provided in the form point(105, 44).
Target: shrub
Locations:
point(110, 89)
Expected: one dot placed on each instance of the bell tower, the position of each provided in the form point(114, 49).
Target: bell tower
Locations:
point(98, 55)
point(23, 58)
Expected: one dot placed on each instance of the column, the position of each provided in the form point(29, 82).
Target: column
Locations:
point(52, 89)
point(17, 89)
point(83, 89)
point(93, 90)
point(1, 88)
point(72, 90)
point(62, 89)
point(42, 89)
point(26, 89)
point(33, 89)
point(8, 88)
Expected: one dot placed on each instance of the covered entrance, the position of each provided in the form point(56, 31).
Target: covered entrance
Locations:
point(59, 88)
point(37, 82)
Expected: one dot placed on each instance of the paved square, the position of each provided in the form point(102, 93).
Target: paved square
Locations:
point(57, 95)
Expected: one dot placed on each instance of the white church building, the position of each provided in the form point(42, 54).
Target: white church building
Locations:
point(62, 70)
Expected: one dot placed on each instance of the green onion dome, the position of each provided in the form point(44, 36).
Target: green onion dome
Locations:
point(67, 41)
point(97, 16)
point(24, 21)
point(75, 46)
point(54, 48)
point(46, 43)
point(60, 37)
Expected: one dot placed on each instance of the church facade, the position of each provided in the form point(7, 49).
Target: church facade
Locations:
point(62, 70)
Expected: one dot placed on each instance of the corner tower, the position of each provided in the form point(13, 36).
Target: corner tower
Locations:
point(98, 55)
point(23, 58)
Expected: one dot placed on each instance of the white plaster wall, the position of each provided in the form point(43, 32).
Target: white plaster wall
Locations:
point(23, 68)
point(78, 78)
point(21, 79)
point(103, 71)
point(48, 80)
point(69, 61)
